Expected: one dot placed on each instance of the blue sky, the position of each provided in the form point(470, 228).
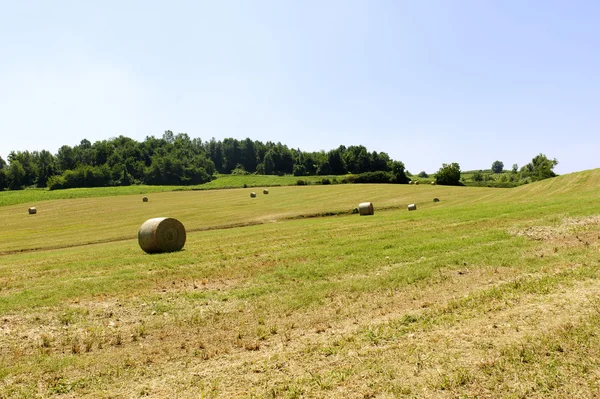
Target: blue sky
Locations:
point(428, 82)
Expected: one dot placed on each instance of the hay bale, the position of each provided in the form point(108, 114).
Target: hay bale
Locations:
point(161, 235)
point(252, 194)
point(412, 207)
point(417, 183)
point(411, 182)
point(366, 208)
point(145, 199)
point(32, 210)
point(436, 200)
point(265, 191)
point(433, 183)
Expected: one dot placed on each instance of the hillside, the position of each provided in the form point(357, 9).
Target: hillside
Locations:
point(488, 293)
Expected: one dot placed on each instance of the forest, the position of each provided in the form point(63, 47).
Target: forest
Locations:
point(177, 159)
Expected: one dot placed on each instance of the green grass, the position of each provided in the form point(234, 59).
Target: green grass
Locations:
point(488, 293)
point(221, 181)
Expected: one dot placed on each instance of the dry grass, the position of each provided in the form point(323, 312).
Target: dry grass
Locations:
point(477, 297)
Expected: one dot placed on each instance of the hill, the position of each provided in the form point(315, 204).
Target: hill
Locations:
point(486, 293)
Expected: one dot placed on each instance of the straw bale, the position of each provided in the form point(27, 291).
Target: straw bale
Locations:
point(161, 235)
point(366, 208)
point(32, 211)
point(412, 207)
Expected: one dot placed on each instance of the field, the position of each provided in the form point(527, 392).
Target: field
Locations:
point(488, 293)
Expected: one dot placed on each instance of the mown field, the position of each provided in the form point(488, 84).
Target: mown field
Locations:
point(488, 293)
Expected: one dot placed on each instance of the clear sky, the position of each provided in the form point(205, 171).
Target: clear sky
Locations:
point(428, 82)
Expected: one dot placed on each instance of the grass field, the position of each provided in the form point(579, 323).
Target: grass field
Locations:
point(220, 182)
point(487, 293)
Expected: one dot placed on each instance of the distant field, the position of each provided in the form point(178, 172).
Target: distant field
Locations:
point(223, 181)
point(487, 293)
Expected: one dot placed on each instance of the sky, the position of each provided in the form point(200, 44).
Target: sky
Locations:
point(428, 82)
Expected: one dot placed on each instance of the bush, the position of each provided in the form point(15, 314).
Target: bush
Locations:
point(448, 175)
point(301, 182)
point(325, 181)
point(373, 177)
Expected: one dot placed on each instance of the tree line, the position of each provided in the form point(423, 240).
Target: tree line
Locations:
point(177, 159)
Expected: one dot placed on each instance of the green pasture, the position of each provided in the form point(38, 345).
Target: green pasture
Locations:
point(220, 182)
point(487, 293)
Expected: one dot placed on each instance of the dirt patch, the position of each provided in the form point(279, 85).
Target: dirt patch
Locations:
point(566, 228)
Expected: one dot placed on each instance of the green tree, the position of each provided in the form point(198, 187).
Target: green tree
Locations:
point(398, 174)
point(541, 167)
point(515, 168)
point(3, 163)
point(3, 179)
point(448, 175)
point(16, 174)
point(423, 175)
point(497, 167)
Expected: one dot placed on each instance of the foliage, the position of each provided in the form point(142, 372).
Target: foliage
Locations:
point(497, 167)
point(423, 175)
point(176, 159)
point(448, 175)
point(539, 168)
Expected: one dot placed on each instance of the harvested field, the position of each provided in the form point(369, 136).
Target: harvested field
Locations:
point(489, 293)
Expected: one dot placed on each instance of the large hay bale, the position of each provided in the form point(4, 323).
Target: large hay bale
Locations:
point(265, 191)
point(433, 183)
point(412, 207)
point(161, 235)
point(32, 210)
point(145, 199)
point(366, 208)
point(417, 182)
point(252, 194)
point(411, 182)
point(436, 200)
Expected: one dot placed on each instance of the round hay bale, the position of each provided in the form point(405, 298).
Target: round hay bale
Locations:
point(32, 210)
point(412, 207)
point(265, 191)
point(161, 235)
point(411, 182)
point(433, 183)
point(436, 200)
point(253, 195)
point(366, 208)
point(145, 199)
point(417, 182)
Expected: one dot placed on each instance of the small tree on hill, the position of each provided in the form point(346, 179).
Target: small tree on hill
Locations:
point(423, 175)
point(448, 175)
point(540, 167)
point(497, 167)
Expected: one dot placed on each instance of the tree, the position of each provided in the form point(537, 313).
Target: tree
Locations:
point(423, 175)
point(497, 167)
point(540, 167)
point(2, 163)
point(448, 175)
point(515, 168)
point(16, 174)
point(398, 175)
point(3, 179)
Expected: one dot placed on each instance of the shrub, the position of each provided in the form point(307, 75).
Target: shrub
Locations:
point(448, 175)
